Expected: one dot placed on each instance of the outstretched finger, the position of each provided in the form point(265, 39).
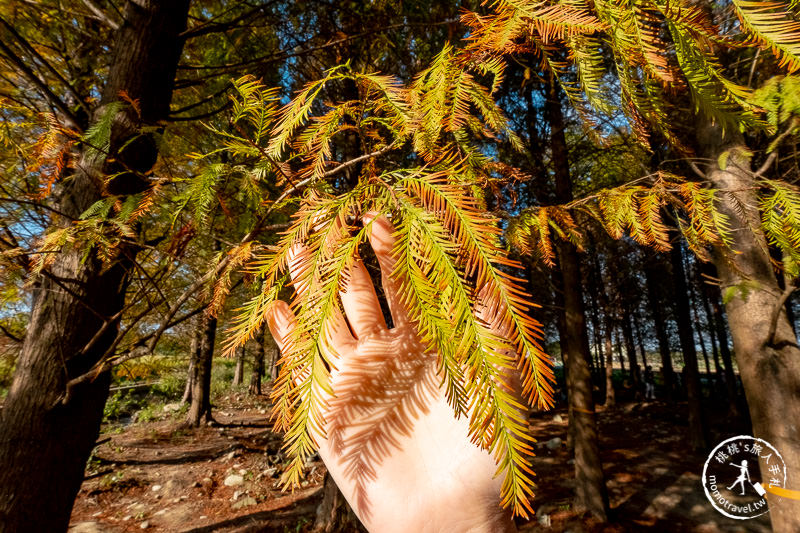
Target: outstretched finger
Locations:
point(282, 323)
point(337, 332)
point(360, 302)
point(383, 241)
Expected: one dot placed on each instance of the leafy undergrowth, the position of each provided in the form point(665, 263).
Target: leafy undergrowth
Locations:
point(157, 475)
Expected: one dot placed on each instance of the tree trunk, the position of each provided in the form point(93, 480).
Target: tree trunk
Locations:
point(711, 330)
point(620, 355)
point(630, 350)
point(713, 294)
point(699, 328)
point(200, 408)
point(608, 323)
point(600, 360)
point(48, 430)
point(193, 346)
point(611, 398)
point(701, 341)
point(769, 367)
point(654, 273)
point(698, 436)
point(334, 514)
point(274, 359)
point(590, 485)
point(258, 364)
point(640, 342)
point(238, 373)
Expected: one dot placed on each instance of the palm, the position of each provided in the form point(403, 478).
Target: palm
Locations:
point(393, 444)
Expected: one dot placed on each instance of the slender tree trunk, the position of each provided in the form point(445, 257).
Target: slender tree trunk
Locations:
point(653, 273)
point(600, 363)
point(334, 514)
point(590, 485)
point(195, 343)
point(200, 408)
point(699, 328)
point(630, 350)
point(238, 373)
point(611, 398)
point(604, 307)
point(640, 342)
point(698, 437)
point(769, 364)
point(711, 330)
point(47, 429)
point(258, 364)
point(701, 341)
point(731, 386)
point(620, 355)
point(274, 358)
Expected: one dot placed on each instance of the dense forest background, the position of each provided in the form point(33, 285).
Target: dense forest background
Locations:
point(638, 161)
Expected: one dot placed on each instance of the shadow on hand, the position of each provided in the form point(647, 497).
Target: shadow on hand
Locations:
point(381, 390)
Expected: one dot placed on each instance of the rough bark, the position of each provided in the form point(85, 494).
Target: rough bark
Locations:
point(698, 436)
point(590, 488)
point(200, 407)
point(46, 431)
point(769, 368)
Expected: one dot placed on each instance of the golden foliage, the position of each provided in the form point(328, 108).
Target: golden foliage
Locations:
point(449, 250)
point(51, 153)
point(657, 48)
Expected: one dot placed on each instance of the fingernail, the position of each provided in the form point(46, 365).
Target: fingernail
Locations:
point(369, 216)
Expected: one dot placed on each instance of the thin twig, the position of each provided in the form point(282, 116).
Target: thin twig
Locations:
point(31, 50)
point(753, 68)
point(778, 140)
point(696, 169)
point(11, 335)
point(139, 350)
point(49, 95)
point(143, 347)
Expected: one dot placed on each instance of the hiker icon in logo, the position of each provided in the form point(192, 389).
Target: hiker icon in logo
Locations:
point(738, 474)
point(744, 474)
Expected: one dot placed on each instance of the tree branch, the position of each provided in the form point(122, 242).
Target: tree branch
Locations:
point(776, 312)
point(50, 96)
point(31, 50)
point(11, 335)
point(142, 349)
point(211, 26)
point(100, 15)
point(138, 350)
point(778, 140)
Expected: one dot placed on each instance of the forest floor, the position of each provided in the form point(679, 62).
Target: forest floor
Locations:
point(157, 476)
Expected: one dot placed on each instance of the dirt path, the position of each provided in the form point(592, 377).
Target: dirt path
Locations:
point(154, 477)
point(652, 477)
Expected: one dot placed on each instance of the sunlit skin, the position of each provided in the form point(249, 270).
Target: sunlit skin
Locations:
point(393, 445)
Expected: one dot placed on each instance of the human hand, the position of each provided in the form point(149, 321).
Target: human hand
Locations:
point(392, 443)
